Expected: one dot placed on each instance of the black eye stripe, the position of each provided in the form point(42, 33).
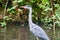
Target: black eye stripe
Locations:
point(28, 5)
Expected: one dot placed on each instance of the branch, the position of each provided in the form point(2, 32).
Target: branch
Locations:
point(5, 9)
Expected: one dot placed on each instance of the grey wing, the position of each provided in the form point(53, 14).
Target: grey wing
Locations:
point(38, 31)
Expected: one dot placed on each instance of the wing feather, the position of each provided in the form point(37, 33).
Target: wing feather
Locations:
point(38, 31)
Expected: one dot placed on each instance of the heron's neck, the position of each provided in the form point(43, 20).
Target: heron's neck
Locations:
point(30, 16)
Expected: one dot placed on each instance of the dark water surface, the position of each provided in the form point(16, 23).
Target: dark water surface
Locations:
point(18, 32)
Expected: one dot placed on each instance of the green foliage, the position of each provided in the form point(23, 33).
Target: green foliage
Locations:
point(57, 14)
point(41, 9)
point(20, 1)
point(3, 24)
point(44, 1)
point(7, 18)
point(0, 0)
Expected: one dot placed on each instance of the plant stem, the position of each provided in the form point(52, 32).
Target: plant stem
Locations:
point(53, 19)
point(4, 19)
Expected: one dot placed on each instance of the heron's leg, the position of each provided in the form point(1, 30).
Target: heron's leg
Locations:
point(37, 38)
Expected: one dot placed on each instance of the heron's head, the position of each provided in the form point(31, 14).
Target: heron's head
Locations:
point(26, 7)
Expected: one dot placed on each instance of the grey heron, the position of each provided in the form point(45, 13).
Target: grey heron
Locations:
point(35, 29)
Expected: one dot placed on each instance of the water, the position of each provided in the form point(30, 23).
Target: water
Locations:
point(18, 32)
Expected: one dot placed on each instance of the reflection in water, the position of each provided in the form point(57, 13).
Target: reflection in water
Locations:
point(18, 32)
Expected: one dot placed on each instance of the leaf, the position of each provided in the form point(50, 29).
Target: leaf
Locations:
point(20, 1)
point(32, 15)
point(9, 19)
point(3, 23)
point(8, 10)
point(5, 17)
point(44, 1)
point(14, 2)
point(57, 13)
point(36, 18)
point(43, 13)
point(20, 10)
point(14, 7)
point(56, 5)
point(0, 0)
point(42, 6)
point(48, 9)
point(33, 1)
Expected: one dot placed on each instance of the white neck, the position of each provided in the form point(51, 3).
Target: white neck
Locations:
point(30, 15)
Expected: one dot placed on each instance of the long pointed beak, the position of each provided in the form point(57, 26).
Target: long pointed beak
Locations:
point(22, 6)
